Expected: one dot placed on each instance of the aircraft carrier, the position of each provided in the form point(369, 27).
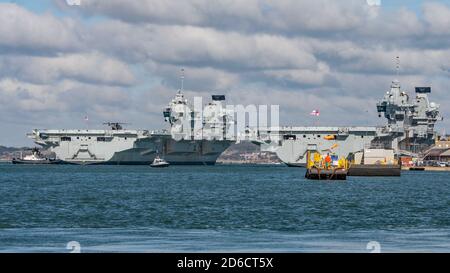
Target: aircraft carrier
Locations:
point(120, 146)
point(409, 131)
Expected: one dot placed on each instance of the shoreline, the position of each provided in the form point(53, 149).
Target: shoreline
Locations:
point(248, 163)
point(218, 163)
point(429, 169)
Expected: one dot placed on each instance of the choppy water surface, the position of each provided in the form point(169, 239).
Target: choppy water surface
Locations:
point(218, 209)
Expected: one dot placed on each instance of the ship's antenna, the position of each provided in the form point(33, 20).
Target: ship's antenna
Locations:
point(182, 80)
point(397, 66)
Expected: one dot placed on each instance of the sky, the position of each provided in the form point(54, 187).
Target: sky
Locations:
point(121, 60)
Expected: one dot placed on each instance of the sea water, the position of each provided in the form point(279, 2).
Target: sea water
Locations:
point(222, 208)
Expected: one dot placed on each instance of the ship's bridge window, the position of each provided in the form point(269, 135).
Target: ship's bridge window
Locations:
point(101, 139)
point(289, 137)
point(400, 117)
point(66, 139)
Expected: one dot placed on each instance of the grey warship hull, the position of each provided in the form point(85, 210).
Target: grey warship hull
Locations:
point(409, 131)
point(118, 146)
point(85, 147)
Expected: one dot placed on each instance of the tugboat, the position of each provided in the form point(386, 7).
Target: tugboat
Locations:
point(35, 158)
point(159, 163)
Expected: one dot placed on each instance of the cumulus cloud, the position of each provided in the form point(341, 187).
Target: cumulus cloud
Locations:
point(437, 18)
point(24, 31)
point(302, 77)
point(22, 96)
point(252, 15)
point(121, 59)
point(64, 96)
point(200, 79)
point(197, 46)
point(87, 67)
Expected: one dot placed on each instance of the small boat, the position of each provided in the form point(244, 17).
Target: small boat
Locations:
point(36, 158)
point(159, 163)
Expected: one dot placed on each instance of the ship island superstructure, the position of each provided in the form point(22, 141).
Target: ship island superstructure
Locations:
point(409, 131)
point(119, 146)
